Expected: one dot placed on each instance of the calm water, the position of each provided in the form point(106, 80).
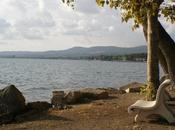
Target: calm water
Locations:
point(37, 78)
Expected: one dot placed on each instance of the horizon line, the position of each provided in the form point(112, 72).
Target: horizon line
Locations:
point(70, 48)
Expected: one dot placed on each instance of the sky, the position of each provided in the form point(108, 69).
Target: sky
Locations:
point(40, 25)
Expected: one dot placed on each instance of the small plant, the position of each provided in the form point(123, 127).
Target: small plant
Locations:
point(149, 91)
point(143, 89)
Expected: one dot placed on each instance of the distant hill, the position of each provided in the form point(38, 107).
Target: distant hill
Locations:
point(76, 52)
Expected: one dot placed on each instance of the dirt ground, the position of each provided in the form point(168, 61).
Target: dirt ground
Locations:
point(110, 114)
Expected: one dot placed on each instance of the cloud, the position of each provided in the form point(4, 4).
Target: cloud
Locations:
point(4, 23)
point(3, 43)
point(36, 27)
point(87, 7)
point(5, 28)
point(49, 24)
point(31, 20)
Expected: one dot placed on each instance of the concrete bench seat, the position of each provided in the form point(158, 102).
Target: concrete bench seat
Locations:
point(145, 109)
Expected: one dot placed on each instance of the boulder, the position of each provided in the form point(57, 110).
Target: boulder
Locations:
point(133, 90)
point(73, 97)
point(57, 98)
point(85, 95)
point(134, 87)
point(94, 94)
point(38, 106)
point(11, 100)
point(81, 96)
point(113, 90)
point(121, 91)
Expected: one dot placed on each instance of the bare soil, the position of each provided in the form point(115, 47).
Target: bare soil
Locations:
point(110, 114)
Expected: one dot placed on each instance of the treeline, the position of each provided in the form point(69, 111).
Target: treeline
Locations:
point(140, 57)
point(129, 57)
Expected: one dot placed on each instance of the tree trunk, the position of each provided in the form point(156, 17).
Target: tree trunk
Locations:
point(167, 46)
point(166, 51)
point(152, 58)
point(161, 57)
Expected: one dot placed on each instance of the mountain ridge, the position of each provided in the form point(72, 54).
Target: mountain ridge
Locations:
point(76, 52)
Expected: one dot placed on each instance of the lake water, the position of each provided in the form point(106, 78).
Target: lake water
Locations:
point(37, 78)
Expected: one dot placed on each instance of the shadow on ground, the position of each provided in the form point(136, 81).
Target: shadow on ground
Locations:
point(39, 116)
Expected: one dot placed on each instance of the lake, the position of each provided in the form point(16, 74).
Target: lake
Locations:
point(37, 78)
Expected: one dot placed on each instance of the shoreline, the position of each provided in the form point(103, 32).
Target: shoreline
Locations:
point(108, 114)
point(72, 59)
point(124, 86)
point(101, 114)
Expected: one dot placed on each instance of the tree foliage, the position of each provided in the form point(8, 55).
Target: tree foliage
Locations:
point(137, 9)
point(168, 11)
point(70, 3)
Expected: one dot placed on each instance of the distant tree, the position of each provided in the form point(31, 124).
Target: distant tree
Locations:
point(160, 45)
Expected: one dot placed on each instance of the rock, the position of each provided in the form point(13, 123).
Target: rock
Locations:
point(3, 109)
point(133, 90)
point(94, 94)
point(11, 100)
point(121, 92)
point(64, 107)
point(58, 93)
point(73, 97)
point(112, 90)
point(85, 95)
point(132, 87)
point(57, 98)
point(4, 119)
point(38, 106)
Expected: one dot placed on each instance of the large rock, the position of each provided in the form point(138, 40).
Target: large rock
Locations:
point(134, 87)
point(38, 106)
point(81, 96)
point(95, 94)
point(11, 100)
point(113, 90)
point(73, 97)
point(57, 98)
point(60, 99)
point(85, 95)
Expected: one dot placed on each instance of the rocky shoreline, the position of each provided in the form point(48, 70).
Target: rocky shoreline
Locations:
point(86, 109)
point(12, 101)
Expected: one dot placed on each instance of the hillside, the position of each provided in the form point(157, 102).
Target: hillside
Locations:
point(76, 52)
